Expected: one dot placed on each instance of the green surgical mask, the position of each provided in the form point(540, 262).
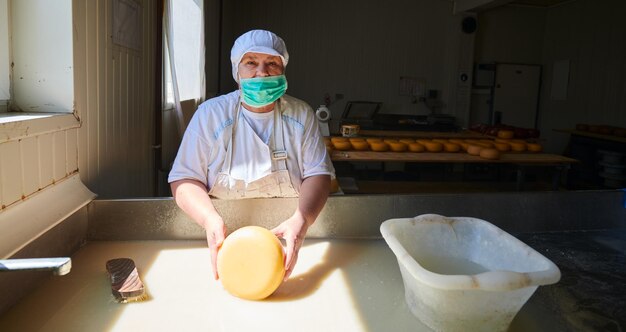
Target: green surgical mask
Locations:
point(262, 91)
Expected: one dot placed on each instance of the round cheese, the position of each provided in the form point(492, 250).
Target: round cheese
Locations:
point(474, 150)
point(489, 154)
point(397, 146)
point(250, 263)
point(416, 147)
point(345, 145)
point(360, 145)
point(379, 146)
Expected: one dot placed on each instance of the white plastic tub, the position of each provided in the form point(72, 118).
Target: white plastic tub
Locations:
point(465, 274)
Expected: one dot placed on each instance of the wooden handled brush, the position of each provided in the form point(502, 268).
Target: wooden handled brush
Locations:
point(126, 285)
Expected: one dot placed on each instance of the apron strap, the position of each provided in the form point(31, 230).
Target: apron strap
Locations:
point(229, 149)
point(279, 153)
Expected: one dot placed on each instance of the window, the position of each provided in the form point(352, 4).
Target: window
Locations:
point(36, 56)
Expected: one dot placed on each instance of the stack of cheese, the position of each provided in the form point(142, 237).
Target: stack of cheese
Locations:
point(484, 148)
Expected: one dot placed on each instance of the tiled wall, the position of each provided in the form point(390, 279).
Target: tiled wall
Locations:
point(30, 164)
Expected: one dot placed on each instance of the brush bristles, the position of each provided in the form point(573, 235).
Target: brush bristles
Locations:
point(130, 299)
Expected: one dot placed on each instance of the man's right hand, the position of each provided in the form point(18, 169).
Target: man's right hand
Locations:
point(215, 233)
point(193, 198)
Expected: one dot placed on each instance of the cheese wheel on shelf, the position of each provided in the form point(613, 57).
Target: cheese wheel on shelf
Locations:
point(338, 139)
point(379, 146)
point(464, 146)
point(451, 147)
point(373, 139)
point(250, 263)
point(433, 146)
point(416, 147)
point(474, 149)
point(407, 140)
point(397, 146)
point(440, 140)
point(502, 147)
point(342, 145)
point(492, 154)
point(360, 145)
point(534, 147)
point(517, 146)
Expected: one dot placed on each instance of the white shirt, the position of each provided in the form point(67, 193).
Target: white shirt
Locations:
point(203, 148)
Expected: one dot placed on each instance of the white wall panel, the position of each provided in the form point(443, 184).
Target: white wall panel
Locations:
point(29, 149)
point(117, 103)
point(46, 159)
point(59, 155)
point(10, 172)
point(36, 162)
point(71, 151)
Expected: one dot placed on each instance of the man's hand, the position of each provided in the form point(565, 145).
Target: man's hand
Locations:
point(193, 198)
point(215, 233)
point(293, 230)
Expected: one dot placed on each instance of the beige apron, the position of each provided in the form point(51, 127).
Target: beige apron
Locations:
point(253, 169)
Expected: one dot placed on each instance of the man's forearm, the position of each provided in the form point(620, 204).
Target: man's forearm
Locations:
point(314, 192)
point(193, 198)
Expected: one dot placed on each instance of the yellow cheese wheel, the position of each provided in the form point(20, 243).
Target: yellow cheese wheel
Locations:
point(433, 146)
point(251, 263)
point(416, 147)
point(489, 154)
point(343, 146)
point(397, 146)
point(474, 150)
point(518, 147)
point(379, 146)
point(534, 147)
point(451, 147)
point(502, 147)
point(338, 139)
point(360, 145)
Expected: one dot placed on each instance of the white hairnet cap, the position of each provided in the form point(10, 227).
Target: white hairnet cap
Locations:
point(257, 41)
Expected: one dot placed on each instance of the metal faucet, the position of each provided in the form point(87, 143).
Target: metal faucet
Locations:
point(59, 265)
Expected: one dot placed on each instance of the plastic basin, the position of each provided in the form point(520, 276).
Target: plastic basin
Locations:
point(464, 274)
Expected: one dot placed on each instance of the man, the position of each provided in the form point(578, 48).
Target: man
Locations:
point(253, 142)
